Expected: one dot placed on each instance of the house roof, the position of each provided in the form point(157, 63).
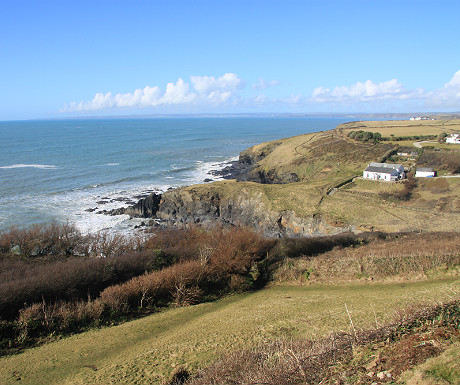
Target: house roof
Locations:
point(384, 165)
point(424, 169)
point(381, 170)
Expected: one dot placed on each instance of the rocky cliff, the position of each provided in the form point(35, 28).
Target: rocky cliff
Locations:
point(248, 168)
point(197, 206)
point(239, 205)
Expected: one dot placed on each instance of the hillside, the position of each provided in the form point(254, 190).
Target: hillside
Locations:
point(372, 284)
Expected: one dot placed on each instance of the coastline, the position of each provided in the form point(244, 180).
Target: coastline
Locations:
point(303, 185)
point(92, 159)
point(279, 186)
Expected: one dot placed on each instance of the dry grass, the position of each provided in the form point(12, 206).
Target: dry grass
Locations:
point(361, 204)
point(408, 256)
point(404, 127)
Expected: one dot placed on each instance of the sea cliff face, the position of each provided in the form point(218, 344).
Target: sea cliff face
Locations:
point(249, 169)
point(195, 205)
point(191, 206)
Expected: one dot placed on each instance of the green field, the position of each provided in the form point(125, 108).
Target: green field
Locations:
point(146, 351)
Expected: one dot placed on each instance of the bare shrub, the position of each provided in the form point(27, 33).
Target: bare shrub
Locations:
point(42, 318)
point(183, 295)
point(25, 281)
point(440, 160)
point(235, 249)
point(39, 240)
point(178, 283)
point(183, 244)
point(405, 193)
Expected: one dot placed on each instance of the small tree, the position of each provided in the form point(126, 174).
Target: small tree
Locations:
point(442, 137)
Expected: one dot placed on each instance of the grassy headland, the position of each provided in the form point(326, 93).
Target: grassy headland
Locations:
point(310, 185)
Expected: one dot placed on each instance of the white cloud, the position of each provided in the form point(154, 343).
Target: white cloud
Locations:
point(262, 84)
point(367, 91)
point(206, 90)
point(217, 90)
point(391, 91)
point(448, 95)
point(293, 99)
point(177, 93)
point(203, 93)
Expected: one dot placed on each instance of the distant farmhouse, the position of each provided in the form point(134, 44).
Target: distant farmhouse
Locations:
point(384, 171)
point(424, 172)
point(453, 139)
point(421, 118)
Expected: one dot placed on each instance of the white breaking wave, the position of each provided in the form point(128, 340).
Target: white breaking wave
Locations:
point(82, 207)
point(41, 166)
point(112, 164)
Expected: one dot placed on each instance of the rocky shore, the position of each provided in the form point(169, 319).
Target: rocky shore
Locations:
point(206, 206)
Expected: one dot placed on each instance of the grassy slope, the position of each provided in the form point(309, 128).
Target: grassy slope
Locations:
point(324, 156)
point(435, 206)
point(441, 370)
point(147, 350)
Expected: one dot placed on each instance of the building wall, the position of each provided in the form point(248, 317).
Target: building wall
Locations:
point(378, 176)
point(424, 174)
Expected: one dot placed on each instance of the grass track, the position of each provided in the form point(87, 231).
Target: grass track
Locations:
point(145, 351)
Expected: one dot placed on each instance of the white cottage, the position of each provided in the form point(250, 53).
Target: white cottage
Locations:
point(424, 172)
point(384, 171)
point(453, 139)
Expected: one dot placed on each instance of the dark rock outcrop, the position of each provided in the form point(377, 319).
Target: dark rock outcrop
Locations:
point(246, 169)
point(185, 206)
point(145, 208)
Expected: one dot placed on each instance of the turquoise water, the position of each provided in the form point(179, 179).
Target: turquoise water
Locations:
point(58, 169)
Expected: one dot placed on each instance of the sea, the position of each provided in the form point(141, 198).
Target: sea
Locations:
point(69, 170)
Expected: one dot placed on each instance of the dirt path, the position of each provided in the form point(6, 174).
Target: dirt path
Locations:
point(419, 144)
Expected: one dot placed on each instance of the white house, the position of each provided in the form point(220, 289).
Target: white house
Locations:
point(453, 139)
point(384, 171)
point(424, 172)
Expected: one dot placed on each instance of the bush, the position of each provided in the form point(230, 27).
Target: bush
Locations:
point(24, 282)
point(409, 254)
point(403, 195)
point(365, 136)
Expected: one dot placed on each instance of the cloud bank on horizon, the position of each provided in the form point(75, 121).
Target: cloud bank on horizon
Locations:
point(205, 93)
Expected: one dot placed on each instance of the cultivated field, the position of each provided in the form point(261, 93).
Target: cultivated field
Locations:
point(404, 127)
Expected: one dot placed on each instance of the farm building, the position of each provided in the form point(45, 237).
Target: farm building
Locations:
point(453, 139)
point(424, 172)
point(384, 171)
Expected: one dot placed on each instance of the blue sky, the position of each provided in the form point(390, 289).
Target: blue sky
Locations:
point(86, 58)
